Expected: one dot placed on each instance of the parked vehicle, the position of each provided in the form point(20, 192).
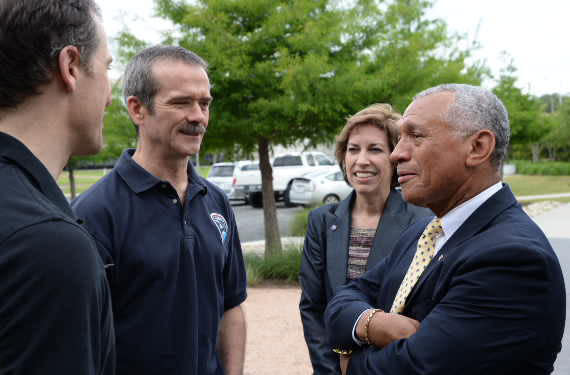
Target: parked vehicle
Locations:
point(285, 168)
point(320, 187)
point(224, 175)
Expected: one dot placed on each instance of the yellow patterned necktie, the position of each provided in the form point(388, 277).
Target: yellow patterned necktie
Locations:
point(424, 255)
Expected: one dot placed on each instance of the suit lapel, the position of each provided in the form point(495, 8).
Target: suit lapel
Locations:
point(479, 219)
point(392, 224)
point(337, 231)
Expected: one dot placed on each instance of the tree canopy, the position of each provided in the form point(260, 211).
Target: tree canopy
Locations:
point(285, 71)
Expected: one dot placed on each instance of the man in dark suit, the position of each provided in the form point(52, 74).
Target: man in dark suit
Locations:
point(481, 290)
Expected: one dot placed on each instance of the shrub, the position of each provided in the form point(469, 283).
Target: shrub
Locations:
point(279, 267)
point(300, 222)
point(544, 168)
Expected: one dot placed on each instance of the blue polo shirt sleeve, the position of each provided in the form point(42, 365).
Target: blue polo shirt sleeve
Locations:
point(55, 311)
point(96, 221)
point(235, 279)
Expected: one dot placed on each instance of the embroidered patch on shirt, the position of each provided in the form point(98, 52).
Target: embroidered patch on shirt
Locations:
point(221, 224)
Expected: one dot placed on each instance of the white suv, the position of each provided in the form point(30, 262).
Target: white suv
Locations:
point(224, 175)
point(285, 168)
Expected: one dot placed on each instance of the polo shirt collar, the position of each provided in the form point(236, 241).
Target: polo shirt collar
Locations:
point(17, 152)
point(139, 179)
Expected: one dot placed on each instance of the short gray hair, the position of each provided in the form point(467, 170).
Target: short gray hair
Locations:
point(138, 79)
point(474, 109)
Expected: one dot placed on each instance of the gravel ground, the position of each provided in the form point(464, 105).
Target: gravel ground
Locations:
point(275, 343)
point(538, 208)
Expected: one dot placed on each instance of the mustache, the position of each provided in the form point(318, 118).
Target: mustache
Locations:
point(193, 128)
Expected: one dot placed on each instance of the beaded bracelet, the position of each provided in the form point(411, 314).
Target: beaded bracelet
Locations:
point(367, 324)
point(342, 352)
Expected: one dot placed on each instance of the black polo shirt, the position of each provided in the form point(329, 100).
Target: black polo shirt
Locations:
point(55, 310)
point(173, 269)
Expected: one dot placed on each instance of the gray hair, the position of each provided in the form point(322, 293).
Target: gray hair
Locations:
point(138, 79)
point(474, 109)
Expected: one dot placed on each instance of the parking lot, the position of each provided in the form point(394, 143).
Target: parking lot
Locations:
point(250, 220)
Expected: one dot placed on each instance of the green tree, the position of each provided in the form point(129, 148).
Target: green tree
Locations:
point(285, 71)
point(559, 122)
point(528, 126)
point(551, 102)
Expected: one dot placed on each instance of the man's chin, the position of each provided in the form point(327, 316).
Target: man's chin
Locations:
point(190, 151)
point(410, 196)
point(88, 149)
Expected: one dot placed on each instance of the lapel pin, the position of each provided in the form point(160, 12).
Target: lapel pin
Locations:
point(333, 227)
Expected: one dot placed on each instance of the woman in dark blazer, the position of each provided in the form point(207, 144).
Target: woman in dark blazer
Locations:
point(345, 239)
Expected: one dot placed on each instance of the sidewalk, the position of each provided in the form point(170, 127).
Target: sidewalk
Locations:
point(545, 196)
point(556, 222)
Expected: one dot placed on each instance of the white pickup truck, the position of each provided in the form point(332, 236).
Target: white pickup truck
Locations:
point(285, 168)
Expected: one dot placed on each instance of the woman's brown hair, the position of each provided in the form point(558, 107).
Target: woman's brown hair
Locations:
point(380, 115)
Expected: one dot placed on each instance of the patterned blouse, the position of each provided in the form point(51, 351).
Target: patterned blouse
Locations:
point(359, 245)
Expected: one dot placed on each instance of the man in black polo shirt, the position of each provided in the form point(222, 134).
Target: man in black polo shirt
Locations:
point(55, 306)
point(178, 277)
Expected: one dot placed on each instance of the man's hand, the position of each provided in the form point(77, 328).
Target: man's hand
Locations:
point(344, 360)
point(385, 328)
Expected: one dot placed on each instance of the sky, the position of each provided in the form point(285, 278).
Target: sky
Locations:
point(533, 33)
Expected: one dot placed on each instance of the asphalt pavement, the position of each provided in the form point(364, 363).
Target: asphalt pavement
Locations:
point(556, 225)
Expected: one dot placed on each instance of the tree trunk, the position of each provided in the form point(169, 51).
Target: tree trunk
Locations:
point(272, 236)
point(535, 149)
point(552, 153)
point(72, 190)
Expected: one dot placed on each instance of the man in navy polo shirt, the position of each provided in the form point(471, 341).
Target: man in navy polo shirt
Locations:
point(167, 236)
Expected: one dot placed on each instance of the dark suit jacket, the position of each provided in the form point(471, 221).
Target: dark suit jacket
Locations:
point(324, 265)
point(491, 302)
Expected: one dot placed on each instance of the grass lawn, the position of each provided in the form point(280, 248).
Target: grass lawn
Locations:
point(84, 178)
point(521, 185)
point(535, 185)
point(204, 171)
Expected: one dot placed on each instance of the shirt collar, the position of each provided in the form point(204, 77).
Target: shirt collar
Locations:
point(457, 216)
point(139, 179)
point(38, 175)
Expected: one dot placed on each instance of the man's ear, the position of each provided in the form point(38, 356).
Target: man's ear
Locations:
point(69, 65)
point(136, 109)
point(482, 145)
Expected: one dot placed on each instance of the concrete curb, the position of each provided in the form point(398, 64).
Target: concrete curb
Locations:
point(544, 196)
point(258, 247)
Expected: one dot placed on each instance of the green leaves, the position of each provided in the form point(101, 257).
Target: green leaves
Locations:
point(292, 71)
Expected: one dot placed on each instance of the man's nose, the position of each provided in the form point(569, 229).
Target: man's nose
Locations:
point(195, 113)
point(398, 152)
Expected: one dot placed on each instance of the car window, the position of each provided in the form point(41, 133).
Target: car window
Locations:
point(311, 160)
point(338, 176)
point(323, 160)
point(314, 174)
point(250, 167)
point(287, 161)
point(222, 171)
